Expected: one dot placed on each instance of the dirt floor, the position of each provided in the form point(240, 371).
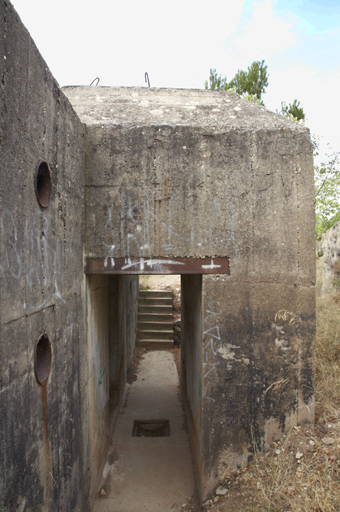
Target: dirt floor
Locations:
point(149, 467)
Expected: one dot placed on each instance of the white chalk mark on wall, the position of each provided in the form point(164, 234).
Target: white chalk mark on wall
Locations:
point(135, 221)
point(154, 264)
point(9, 233)
point(37, 257)
point(226, 351)
point(211, 266)
point(211, 337)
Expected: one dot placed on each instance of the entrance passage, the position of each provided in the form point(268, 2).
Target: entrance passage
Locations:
point(149, 403)
point(152, 471)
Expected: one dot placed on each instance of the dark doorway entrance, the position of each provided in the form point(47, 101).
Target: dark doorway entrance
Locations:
point(112, 311)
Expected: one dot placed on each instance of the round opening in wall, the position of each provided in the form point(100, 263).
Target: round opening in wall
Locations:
point(43, 359)
point(43, 184)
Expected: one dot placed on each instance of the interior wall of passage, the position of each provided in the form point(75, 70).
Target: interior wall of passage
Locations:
point(112, 305)
point(191, 362)
point(43, 429)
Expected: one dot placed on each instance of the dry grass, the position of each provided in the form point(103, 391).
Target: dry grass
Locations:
point(301, 473)
point(284, 482)
point(327, 356)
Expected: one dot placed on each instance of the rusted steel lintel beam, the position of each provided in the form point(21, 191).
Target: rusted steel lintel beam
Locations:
point(157, 266)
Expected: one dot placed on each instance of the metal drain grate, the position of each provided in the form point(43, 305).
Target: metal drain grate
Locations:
point(151, 428)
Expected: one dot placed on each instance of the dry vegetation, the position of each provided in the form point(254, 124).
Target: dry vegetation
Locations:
point(302, 470)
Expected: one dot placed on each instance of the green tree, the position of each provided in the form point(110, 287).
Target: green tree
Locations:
point(292, 111)
point(253, 81)
point(250, 84)
point(216, 81)
point(327, 191)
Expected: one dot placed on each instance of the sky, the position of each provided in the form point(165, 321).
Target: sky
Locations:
point(178, 42)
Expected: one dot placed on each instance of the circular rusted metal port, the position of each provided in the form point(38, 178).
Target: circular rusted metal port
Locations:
point(43, 184)
point(43, 359)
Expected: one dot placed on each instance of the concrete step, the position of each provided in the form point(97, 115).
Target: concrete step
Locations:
point(155, 335)
point(155, 293)
point(154, 326)
point(153, 308)
point(155, 317)
point(155, 344)
point(155, 300)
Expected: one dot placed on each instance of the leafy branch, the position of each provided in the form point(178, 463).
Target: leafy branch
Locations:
point(327, 191)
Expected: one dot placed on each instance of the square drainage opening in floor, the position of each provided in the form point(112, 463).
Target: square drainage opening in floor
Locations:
point(151, 428)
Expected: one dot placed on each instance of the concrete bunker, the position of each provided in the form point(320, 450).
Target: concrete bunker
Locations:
point(198, 177)
point(140, 177)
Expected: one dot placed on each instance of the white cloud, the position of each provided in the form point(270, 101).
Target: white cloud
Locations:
point(308, 85)
point(119, 41)
point(265, 33)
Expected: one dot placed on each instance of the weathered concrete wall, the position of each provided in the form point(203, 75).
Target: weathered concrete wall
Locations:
point(183, 190)
point(329, 262)
point(191, 356)
point(131, 292)
point(98, 384)
point(123, 311)
point(112, 308)
point(116, 344)
point(259, 352)
point(260, 380)
point(43, 429)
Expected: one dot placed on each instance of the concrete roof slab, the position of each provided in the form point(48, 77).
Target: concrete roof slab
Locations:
point(213, 110)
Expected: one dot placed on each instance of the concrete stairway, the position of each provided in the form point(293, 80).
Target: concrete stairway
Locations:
point(155, 319)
